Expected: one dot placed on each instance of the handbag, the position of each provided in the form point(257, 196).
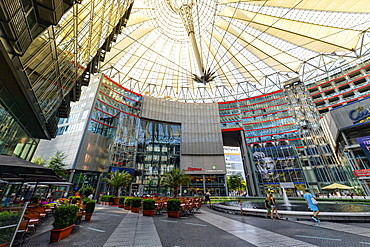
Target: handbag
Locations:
point(314, 201)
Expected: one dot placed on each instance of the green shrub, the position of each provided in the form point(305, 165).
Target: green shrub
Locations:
point(86, 190)
point(173, 205)
point(136, 202)
point(128, 201)
point(90, 206)
point(148, 204)
point(121, 200)
point(7, 218)
point(64, 216)
point(85, 200)
point(107, 198)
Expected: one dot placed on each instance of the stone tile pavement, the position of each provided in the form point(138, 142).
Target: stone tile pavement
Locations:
point(112, 226)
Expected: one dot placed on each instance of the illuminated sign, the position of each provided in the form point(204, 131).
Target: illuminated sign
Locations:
point(359, 115)
point(365, 145)
point(193, 169)
point(362, 173)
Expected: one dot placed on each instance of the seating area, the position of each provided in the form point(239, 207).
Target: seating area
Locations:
point(189, 205)
point(34, 215)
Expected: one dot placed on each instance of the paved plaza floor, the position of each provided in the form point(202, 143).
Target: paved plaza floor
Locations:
point(112, 226)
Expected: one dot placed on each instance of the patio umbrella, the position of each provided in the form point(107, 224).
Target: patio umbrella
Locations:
point(13, 169)
point(337, 186)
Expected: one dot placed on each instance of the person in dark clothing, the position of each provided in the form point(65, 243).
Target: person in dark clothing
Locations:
point(268, 206)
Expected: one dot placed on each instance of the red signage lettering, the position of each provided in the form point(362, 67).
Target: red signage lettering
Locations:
point(362, 173)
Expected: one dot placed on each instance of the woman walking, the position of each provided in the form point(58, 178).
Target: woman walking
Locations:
point(273, 207)
point(309, 199)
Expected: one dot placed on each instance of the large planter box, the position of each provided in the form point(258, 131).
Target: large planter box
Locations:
point(121, 205)
point(88, 217)
point(115, 200)
point(135, 209)
point(173, 214)
point(58, 234)
point(127, 207)
point(148, 212)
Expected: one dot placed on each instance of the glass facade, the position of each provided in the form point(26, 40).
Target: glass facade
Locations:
point(158, 152)
point(14, 140)
point(284, 140)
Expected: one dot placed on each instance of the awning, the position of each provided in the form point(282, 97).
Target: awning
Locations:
point(13, 169)
point(337, 186)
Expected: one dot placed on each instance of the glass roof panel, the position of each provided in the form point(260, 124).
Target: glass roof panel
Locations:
point(210, 50)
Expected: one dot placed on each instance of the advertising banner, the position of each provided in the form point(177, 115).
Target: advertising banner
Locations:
point(362, 173)
point(365, 145)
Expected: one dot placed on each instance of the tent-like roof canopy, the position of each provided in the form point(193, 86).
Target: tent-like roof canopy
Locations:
point(13, 169)
point(242, 47)
point(337, 186)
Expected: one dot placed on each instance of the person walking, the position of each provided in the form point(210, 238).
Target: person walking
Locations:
point(308, 197)
point(268, 206)
point(273, 207)
point(240, 206)
point(207, 198)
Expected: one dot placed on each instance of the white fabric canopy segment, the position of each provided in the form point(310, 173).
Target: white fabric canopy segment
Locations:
point(249, 46)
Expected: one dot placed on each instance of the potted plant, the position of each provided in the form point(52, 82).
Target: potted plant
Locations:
point(90, 207)
point(127, 205)
point(86, 191)
point(121, 201)
point(175, 179)
point(104, 199)
point(64, 219)
point(7, 218)
point(148, 207)
point(118, 179)
point(173, 208)
point(135, 204)
point(110, 200)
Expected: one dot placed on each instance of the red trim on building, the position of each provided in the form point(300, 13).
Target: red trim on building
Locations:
point(235, 121)
point(117, 108)
point(228, 109)
point(227, 102)
point(263, 95)
point(271, 127)
point(103, 123)
point(104, 112)
point(117, 100)
point(273, 134)
point(265, 114)
point(265, 107)
point(128, 90)
point(344, 102)
point(231, 129)
point(236, 114)
point(367, 85)
point(263, 102)
point(338, 77)
point(341, 85)
point(118, 92)
point(268, 120)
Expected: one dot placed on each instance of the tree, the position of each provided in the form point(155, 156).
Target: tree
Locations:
point(175, 179)
point(86, 190)
point(234, 182)
point(56, 163)
point(40, 160)
point(118, 179)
